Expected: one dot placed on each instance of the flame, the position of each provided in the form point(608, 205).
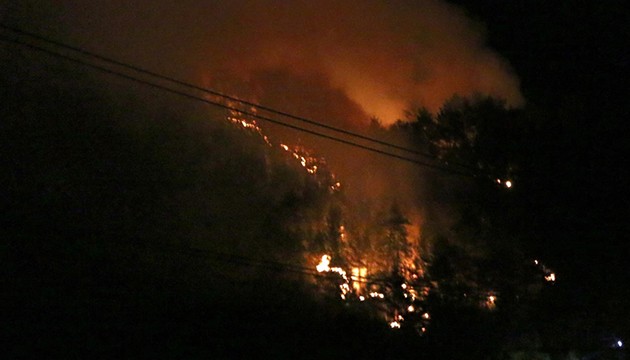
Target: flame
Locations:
point(324, 264)
point(375, 294)
point(305, 158)
point(490, 302)
point(507, 183)
point(550, 275)
point(358, 278)
point(335, 187)
point(251, 126)
point(394, 325)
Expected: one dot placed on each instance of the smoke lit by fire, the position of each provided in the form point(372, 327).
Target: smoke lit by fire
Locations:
point(335, 61)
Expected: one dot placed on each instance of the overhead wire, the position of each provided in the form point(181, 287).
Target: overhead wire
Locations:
point(214, 92)
point(230, 98)
point(275, 265)
point(232, 258)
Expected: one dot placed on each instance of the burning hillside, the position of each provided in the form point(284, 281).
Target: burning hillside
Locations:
point(371, 252)
point(162, 190)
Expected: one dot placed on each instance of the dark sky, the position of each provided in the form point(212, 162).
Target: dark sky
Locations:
point(571, 58)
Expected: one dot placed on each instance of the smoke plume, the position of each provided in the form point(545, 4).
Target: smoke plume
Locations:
point(338, 62)
point(334, 61)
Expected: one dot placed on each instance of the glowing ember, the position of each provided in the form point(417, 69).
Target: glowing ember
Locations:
point(394, 325)
point(336, 186)
point(324, 264)
point(377, 295)
point(490, 302)
point(507, 183)
point(250, 125)
point(549, 275)
point(426, 316)
point(410, 308)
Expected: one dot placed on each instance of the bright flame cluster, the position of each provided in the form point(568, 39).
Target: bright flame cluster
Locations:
point(549, 275)
point(354, 285)
point(507, 183)
point(394, 325)
point(308, 162)
point(250, 125)
point(324, 266)
point(378, 295)
point(491, 301)
point(413, 309)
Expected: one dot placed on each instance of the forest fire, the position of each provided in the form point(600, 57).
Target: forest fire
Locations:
point(304, 157)
point(360, 160)
point(373, 259)
point(387, 303)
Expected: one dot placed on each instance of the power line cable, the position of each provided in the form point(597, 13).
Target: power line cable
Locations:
point(231, 108)
point(232, 258)
point(222, 95)
point(274, 265)
point(211, 91)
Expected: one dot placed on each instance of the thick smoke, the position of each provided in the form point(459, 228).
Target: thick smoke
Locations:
point(386, 57)
point(340, 61)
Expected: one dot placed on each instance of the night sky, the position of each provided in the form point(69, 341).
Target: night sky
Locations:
point(571, 61)
point(565, 61)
